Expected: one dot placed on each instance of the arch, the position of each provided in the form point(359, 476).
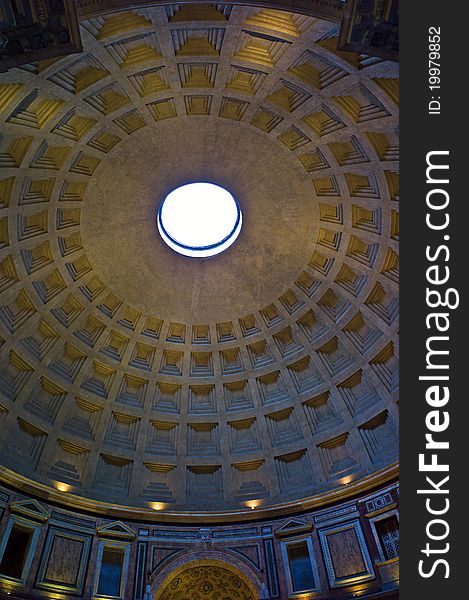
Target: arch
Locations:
point(209, 568)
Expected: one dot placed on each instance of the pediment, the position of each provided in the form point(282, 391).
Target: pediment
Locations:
point(117, 529)
point(293, 526)
point(30, 509)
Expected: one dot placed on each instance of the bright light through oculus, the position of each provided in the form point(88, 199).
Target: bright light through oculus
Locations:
point(199, 219)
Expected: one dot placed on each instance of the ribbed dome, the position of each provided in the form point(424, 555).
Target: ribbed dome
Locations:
point(136, 375)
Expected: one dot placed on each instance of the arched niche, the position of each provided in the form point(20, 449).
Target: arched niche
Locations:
point(206, 572)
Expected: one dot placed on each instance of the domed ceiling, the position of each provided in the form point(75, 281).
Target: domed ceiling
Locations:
point(133, 375)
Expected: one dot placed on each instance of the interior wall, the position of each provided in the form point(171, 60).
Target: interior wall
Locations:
point(347, 555)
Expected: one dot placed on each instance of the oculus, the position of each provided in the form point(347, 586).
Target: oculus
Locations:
point(199, 219)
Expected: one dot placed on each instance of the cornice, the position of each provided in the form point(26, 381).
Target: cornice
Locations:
point(107, 509)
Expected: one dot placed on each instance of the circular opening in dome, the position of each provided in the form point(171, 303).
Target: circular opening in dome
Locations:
point(199, 219)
